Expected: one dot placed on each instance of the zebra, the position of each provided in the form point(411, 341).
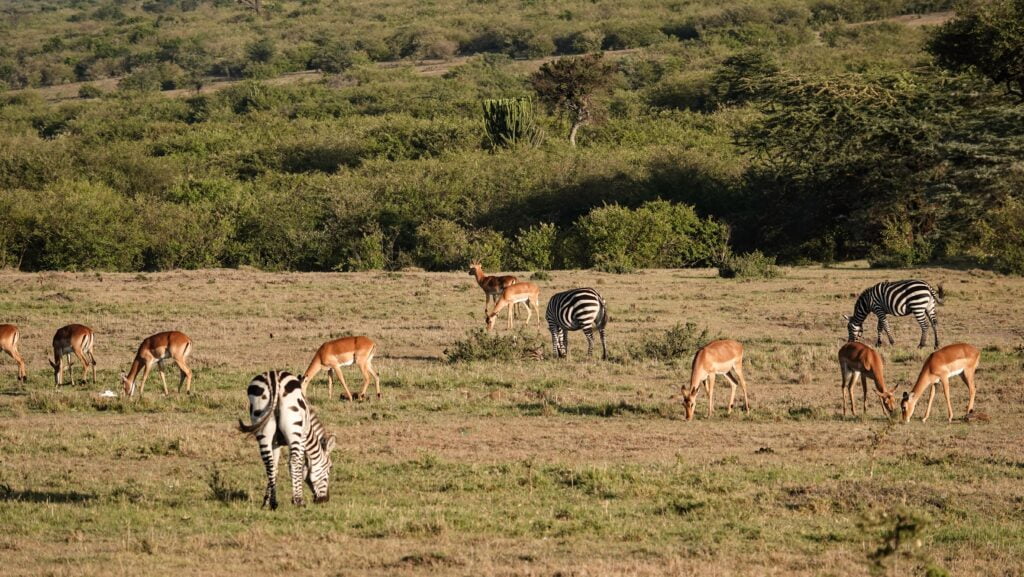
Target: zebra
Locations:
point(573, 310)
point(899, 298)
point(281, 416)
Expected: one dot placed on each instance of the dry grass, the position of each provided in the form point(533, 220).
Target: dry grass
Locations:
point(528, 468)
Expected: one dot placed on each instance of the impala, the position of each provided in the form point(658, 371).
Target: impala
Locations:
point(723, 357)
point(523, 292)
point(9, 336)
point(155, 350)
point(77, 339)
point(949, 361)
point(493, 286)
point(857, 360)
point(333, 355)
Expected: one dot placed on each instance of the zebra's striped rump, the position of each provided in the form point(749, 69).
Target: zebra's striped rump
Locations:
point(575, 310)
point(281, 416)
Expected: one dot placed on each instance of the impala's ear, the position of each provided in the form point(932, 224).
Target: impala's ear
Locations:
point(53, 364)
point(846, 318)
point(906, 396)
point(896, 387)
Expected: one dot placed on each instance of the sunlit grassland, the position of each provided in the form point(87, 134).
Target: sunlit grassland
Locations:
point(530, 467)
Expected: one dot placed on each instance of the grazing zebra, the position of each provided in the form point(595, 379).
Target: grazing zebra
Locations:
point(281, 416)
point(577, 309)
point(899, 298)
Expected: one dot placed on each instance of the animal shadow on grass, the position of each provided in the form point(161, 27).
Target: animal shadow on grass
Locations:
point(591, 409)
point(30, 496)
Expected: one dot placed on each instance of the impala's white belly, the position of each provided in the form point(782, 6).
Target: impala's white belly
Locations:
point(956, 372)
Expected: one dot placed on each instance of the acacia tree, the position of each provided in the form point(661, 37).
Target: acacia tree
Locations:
point(987, 38)
point(569, 85)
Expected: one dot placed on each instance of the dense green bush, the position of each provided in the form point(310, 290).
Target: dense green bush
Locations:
point(680, 342)
point(658, 234)
point(482, 346)
point(749, 266)
point(1004, 238)
point(534, 248)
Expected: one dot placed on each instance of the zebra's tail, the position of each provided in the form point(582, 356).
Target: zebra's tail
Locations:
point(939, 294)
point(267, 412)
point(607, 318)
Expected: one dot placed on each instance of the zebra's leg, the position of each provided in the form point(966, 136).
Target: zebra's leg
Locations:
point(589, 333)
point(935, 326)
point(604, 348)
point(269, 454)
point(922, 321)
point(888, 329)
point(564, 336)
point(554, 341)
point(297, 468)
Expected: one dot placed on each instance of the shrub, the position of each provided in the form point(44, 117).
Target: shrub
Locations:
point(482, 346)
point(900, 247)
point(1003, 238)
point(750, 265)
point(619, 36)
point(658, 234)
point(89, 91)
point(679, 342)
point(581, 42)
point(441, 244)
point(534, 248)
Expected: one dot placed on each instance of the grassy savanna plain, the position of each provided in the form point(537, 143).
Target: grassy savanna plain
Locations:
point(536, 467)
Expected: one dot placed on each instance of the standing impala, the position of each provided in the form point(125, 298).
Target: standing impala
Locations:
point(333, 355)
point(77, 339)
point(857, 360)
point(949, 361)
point(523, 292)
point(9, 337)
point(724, 357)
point(155, 350)
point(493, 286)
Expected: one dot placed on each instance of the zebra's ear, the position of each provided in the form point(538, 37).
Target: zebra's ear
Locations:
point(328, 444)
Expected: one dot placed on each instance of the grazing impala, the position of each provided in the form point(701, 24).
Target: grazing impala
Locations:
point(333, 355)
point(857, 360)
point(949, 361)
point(155, 350)
point(724, 357)
point(9, 336)
point(493, 286)
point(523, 292)
point(77, 339)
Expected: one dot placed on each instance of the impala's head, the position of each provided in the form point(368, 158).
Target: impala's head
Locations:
point(689, 404)
point(907, 406)
point(888, 399)
point(318, 473)
point(490, 318)
point(473, 268)
point(855, 330)
point(129, 386)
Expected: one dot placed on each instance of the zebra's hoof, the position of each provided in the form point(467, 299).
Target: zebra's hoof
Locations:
point(298, 502)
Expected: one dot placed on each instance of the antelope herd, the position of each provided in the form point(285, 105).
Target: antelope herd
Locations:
point(577, 309)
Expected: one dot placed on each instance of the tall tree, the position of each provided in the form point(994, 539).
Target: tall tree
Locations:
point(569, 85)
point(987, 38)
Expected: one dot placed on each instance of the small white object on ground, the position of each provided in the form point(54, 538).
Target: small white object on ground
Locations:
point(108, 394)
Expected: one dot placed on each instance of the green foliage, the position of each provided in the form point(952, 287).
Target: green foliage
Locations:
point(659, 234)
point(1004, 237)
point(899, 247)
point(741, 78)
point(534, 248)
point(570, 84)
point(89, 91)
point(509, 122)
point(985, 37)
point(749, 266)
point(479, 345)
point(681, 341)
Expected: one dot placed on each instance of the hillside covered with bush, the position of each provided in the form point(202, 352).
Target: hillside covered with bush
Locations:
point(810, 130)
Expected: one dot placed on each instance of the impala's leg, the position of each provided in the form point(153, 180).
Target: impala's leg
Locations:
point(529, 313)
point(842, 385)
point(864, 398)
point(330, 383)
point(341, 379)
point(376, 378)
point(364, 369)
point(931, 397)
point(85, 364)
point(145, 375)
point(163, 376)
point(732, 391)
point(58, 370)
point(968, 378)
point(22, 375)
point(945, 392)
point(922, 321)
point(92, 359)
point(186, 375)
point(710, 384)
point(854, 375)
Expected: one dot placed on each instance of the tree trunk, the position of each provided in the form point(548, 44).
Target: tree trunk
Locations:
point(572, 132)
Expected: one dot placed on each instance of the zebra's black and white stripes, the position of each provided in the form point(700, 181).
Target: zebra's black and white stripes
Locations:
point(897, 298)
point(281, 416)
point(574, 310)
